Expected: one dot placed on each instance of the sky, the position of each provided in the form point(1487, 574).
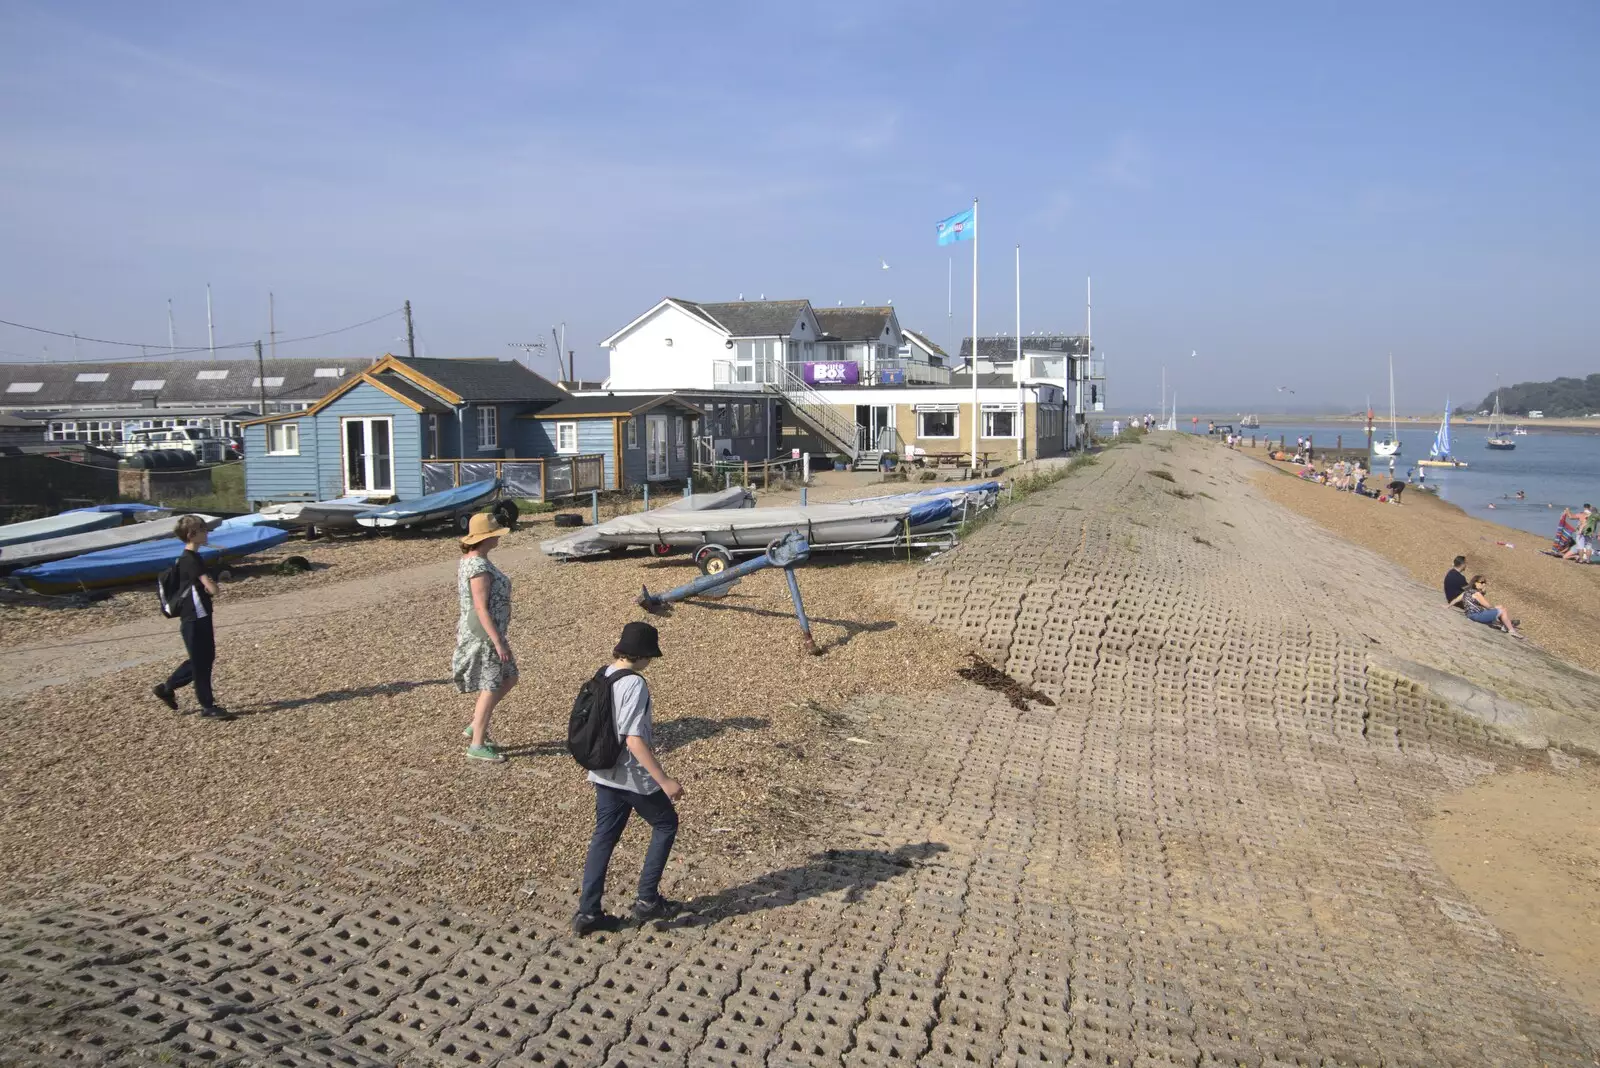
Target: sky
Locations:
point(1288, 191)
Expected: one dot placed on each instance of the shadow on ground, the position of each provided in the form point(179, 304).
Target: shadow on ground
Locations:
point(328, 697)
point(855, 871)
point(671, 735)
point(850, 627)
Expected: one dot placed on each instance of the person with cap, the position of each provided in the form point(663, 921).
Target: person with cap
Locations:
point(636, 783)
point(483, 663)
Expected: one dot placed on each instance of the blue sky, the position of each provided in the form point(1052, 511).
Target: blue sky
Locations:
point(1291, 190)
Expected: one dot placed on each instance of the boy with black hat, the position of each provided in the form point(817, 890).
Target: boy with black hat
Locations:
point(637, 783)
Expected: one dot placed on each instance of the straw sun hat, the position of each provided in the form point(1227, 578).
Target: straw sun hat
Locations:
point(484, 526)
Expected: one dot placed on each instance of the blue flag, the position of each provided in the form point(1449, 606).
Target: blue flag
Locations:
point(959, 227)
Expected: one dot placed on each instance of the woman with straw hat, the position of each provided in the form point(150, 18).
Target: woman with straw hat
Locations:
point(483, 663)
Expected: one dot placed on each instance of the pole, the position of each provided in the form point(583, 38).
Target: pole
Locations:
point(272, 324)
point(211, 330)
point(1017, 368)
point(261, 377)
point(172, 332)
point(1088, 341)
point(411, 335)
point(974, 367)
point(950, 290)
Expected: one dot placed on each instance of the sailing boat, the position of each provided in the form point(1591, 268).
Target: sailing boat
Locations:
point(1172, 420)
point(1390, 445)
point(1498, 437)
point(1439, 452)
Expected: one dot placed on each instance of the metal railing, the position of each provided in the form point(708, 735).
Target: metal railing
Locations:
point(725, 374)
point(536, 478)
point(909, 372)
point(812, 406)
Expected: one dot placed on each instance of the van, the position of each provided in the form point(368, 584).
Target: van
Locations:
point(206, 446)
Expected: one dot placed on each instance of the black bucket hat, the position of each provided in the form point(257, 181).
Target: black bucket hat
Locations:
point(638, 641)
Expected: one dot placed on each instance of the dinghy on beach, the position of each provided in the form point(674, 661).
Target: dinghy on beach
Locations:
point(585, 543)
point(337, 514)
point(57, 526)
point(144, 561)
point(40, 552)
point(447, 504)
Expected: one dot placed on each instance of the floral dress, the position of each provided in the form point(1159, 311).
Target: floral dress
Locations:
point(475, 665)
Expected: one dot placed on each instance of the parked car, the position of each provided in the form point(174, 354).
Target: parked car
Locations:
point(206, 446)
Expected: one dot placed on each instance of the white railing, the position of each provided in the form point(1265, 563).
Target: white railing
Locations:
point(725, 374)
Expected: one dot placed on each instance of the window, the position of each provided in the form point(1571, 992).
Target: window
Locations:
point(211, 376)
point(271, 382)
point(92, 376)
point(938, 424)
point(566, 438)
point(999, 424)
point(283, 439)
point(633, 432)
point(150, 383)
point(24, 387)
point(368, 455)
point(681, 441)
point(328, 372)
point(756, 361)
point(488, 427)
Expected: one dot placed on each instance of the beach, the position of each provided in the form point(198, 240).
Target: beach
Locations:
point(1234, 786)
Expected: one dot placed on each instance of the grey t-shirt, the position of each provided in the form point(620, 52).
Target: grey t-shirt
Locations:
point(630, 704)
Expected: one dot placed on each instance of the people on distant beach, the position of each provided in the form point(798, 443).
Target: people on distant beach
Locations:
point(637, 783)
point(197, 585)
point(483, 663)
point(1116, 427)
point(1396, 488)
point(1475, 600)
point(1585, 529)
point(1455, 580)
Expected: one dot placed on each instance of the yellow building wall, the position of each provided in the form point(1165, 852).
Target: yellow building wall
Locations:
point(906, 425)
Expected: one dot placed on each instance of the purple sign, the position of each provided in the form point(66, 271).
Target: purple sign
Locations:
point(832, 373)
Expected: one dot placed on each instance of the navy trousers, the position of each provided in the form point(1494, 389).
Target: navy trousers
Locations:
point(612, 807)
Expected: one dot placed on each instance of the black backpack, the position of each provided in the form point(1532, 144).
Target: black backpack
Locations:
point(592, 728)
point(169, 593)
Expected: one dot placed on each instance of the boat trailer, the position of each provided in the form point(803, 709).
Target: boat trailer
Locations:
point(721, 576)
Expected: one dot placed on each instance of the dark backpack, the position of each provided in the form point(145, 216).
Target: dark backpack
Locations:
point(169, 592)
point(592, 728)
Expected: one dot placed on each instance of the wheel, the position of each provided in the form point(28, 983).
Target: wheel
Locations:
point(660, 550)
point(464, 523)
point(713, 559)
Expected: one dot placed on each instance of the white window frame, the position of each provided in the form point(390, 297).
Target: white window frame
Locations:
point(488, 428)
point(955, 425)
point(283, 432)
point(633, 432)
point(563, 429)
point(988, 422)
point(371, 467)
point(92, 376)
point(24, 387)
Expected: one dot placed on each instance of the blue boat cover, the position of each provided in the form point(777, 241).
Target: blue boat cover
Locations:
point(127, 508)
point(445, 503)
point(145, 560)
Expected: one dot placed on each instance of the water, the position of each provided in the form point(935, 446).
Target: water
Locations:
point(1556, 469)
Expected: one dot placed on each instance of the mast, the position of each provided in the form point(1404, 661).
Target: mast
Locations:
point(272, 325)
point(211, 330)
point(974, 367)
point(172, 332)
point(1016, 372)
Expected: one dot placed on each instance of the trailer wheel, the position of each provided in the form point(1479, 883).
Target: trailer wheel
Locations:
point(712, 559)
point(660, 550)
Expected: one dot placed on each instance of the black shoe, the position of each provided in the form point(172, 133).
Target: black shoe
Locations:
point(164, 695)
point(583, 923)
point(644, 912)
point(216, 712)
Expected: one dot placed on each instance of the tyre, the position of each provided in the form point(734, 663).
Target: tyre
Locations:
point(660, 550)
point(712, 559)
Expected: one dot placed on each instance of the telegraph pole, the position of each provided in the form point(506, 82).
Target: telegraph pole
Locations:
point(411, 335)
point(261, 377)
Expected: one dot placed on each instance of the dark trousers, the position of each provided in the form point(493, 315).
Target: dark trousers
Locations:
point(200, 640)
point(612, 807)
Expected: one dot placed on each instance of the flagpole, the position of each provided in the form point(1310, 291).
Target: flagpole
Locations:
point(975, 416)
point(950, 290)
point(1016, 369)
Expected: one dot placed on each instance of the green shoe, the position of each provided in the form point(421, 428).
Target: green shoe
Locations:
point(490, 742)
point(485, 752)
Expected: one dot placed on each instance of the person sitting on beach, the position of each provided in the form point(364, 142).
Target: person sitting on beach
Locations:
point(1455, 581)
point(1476, 601)
point(1583, 541)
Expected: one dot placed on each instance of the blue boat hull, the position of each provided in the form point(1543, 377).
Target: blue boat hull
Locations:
point(144, 561)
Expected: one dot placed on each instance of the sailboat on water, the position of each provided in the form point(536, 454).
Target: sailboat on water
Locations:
point(1499, 437)
point(1390, 445)
point(1439, 451)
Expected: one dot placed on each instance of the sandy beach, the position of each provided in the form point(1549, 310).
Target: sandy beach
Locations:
point(1252, 795)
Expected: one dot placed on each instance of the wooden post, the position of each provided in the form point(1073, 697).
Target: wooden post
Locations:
point(747, 472)
point(1338, 442)
point(766, 475)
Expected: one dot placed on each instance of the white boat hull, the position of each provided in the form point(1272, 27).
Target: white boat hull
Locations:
point(823, 524)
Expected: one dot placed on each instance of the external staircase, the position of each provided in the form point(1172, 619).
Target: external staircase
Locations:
point(827, 420)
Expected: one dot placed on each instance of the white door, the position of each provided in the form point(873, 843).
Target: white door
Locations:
point(368, 455)
point(655, 439)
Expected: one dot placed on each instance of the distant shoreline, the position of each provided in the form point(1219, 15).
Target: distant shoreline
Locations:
point(1272, 419)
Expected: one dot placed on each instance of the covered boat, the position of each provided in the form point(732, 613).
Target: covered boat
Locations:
point(446, 504)
point(585, 542)
point(39, 552)
point(132, 511)
point(338, 513)
point(57, 526)
point(144, 561)
point(744, 528)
